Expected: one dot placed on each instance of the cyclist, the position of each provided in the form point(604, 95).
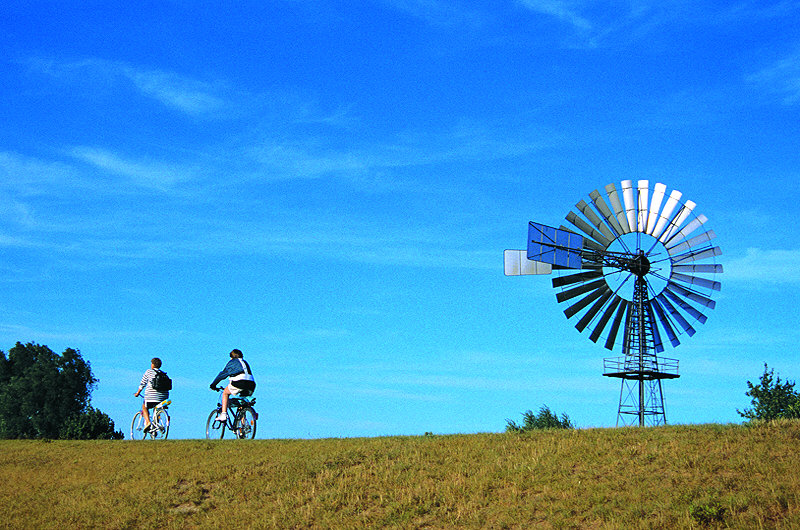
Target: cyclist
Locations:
point(241, 381)
point(152, 397)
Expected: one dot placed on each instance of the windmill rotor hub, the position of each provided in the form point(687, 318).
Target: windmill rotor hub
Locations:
point(640, 265)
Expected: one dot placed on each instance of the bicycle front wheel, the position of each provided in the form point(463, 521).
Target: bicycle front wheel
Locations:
point(137, 427)
point(214, 428)
point(246, 423)
point(160, 427)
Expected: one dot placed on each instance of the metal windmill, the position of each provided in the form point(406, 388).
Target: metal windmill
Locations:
point(632, 264)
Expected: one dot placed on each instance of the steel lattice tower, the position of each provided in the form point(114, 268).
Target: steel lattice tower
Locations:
point(640, 398)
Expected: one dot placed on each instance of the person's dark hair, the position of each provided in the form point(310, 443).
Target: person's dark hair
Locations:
point(155, 361)
point(236, 354)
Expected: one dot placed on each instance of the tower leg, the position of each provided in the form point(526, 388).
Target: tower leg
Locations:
point(641, 402)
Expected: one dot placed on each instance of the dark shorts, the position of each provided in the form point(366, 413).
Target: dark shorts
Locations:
point(246, 387)
point(152, 404)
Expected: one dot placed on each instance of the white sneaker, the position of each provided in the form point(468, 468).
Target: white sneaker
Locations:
point(222, 417)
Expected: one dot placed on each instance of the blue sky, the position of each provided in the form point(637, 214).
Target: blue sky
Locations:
point(329, 186)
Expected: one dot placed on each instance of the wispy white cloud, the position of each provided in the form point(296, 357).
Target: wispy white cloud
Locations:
point(15, 211)
point(305, 158)
point(368, 167)
point(771, 267)
point(23, 181)
point(560, 9)
point(147, 174)
point(585, 25)
point(176, 91)
point(30, 176)
point(344, 239)
point(627, 21)
point(756, 10)
point(179, 92)
point(307, 113)
point(781, 78)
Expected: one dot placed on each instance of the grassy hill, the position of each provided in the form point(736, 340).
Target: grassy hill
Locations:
point(676, 476)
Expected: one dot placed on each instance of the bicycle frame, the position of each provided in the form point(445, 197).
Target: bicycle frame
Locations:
point(159, 423)
point(236, 421)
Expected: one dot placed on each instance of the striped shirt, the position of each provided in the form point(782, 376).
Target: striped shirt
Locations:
point(151, 395)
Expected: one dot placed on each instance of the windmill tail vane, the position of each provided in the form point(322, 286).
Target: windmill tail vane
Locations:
point(635, 260)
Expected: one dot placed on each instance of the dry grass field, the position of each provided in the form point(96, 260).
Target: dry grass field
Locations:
point(717, 476)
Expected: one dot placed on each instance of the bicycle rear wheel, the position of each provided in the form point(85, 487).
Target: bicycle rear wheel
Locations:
point(137, 427)
point(160, 427)
point(246, 423)
point(214, 428)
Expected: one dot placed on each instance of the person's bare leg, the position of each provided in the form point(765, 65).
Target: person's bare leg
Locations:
point(145, 415)
point(225, 395)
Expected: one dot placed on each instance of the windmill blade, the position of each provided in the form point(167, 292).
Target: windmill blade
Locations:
point(697, 240)
point(516, 263)
point(697, 315)
point(592, 312)
point(598, 236)
point(607, 314)
point(657, 342)
point(691, 295)
point(711, 269)
point(581, 289)
point(675, 314)
point(590, 244)
point(694, 280)
point(612, 334)
point(676, 223)
point(627, 330)
point(630, 204)
point(642, 201)
point(587, 211)
point(606, 212)
point(581, 304)
point(561, 281)
point(666, 213)
point(673, 337)
point(697, 255)
point(613, 197)
point(691, 227)
point(658, 196)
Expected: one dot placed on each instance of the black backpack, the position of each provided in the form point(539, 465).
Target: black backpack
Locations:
point(161, 382)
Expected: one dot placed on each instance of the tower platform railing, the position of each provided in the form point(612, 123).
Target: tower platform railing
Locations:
point(650, 367)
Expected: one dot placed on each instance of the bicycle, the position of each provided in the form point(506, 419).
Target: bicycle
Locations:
point(241, 420)
point(159, 423)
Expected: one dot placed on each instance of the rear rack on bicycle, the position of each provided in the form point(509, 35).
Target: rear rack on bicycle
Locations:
point(242, 401)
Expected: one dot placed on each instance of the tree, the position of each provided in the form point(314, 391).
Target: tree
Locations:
point(771, 399)
point(41, 391)
point(546, 419)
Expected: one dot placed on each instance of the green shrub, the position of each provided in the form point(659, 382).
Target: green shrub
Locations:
point(92, 424)
point(546, 419)
point(772, 399)
point(708, 513)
